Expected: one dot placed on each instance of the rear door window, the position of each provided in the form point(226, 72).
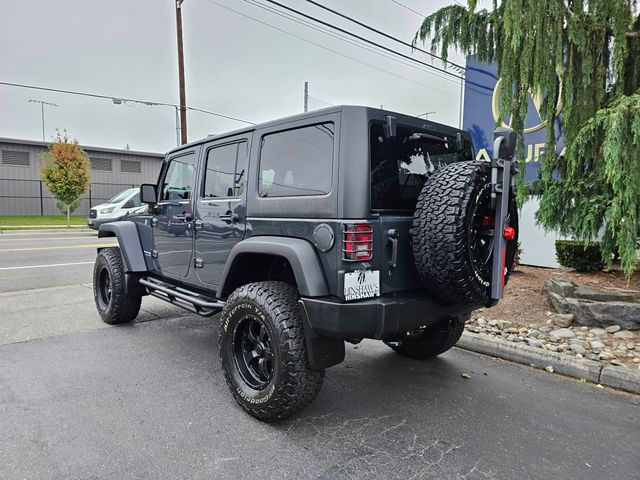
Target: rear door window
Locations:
point(400, 166)
point(225, 174)
point(297, 162)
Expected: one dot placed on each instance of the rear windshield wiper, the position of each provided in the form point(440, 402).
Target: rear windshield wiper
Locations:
point(441, 139)
point(427, 136)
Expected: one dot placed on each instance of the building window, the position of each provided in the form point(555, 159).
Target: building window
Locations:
point(10, 157)
point(103, 164)
point(130, 166)
point(297, 162)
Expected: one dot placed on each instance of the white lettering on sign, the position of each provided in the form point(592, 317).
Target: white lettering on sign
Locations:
point(361, 284)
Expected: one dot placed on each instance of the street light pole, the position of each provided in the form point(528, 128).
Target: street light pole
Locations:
point(42, 104)
point(183, 97)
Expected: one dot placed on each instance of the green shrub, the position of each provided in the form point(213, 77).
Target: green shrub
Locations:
point(581, 256)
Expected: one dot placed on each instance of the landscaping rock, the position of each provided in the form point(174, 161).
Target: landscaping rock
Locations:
point(598, 332)
point(578, 341)
point(562, 333)
point(535, 343)
point(612, 329)
point(593, 307)
point(560, 287)
point(623, 334)
point(562, 319)
point(596, 295)
point(597, 345)
point(578, 348)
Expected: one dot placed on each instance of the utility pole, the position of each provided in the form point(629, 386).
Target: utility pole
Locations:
point(183, 96)
point(42, 104)
point(306, 96)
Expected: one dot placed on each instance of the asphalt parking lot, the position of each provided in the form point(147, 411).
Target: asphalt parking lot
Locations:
point(80, 399)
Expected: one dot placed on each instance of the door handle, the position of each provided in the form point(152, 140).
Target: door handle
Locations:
point(392, 236)
point(229, 217)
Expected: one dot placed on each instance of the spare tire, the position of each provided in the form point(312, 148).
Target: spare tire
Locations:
point(453, 234)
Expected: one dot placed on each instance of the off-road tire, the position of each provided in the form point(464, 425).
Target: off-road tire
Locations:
point(293, 384)
point(433, 340)
point(441, 232)
point(123, 303)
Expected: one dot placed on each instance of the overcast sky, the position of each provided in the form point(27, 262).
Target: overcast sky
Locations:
point(234, 65)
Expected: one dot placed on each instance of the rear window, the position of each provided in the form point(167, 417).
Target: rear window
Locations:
point(297, 162)
point(400, 166)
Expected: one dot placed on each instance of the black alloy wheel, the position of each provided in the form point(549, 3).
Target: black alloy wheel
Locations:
point(253, 352)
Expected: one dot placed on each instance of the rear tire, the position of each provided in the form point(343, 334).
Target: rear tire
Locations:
point(118, 295)
point(453, 234)
point(263, 351)
point(431, 341)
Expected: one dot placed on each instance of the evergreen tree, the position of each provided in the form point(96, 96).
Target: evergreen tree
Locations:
point(586, 55)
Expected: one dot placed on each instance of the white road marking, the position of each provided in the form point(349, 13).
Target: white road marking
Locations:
point(44, 266)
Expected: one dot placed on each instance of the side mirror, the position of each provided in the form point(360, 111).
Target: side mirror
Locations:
point(507, 146)
point(148, 193)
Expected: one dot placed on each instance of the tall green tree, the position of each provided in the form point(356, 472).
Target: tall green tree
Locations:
point(66, 172)
point(586, 55)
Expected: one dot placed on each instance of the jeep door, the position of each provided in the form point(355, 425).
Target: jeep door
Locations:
point(221, 205)
point(173, 217)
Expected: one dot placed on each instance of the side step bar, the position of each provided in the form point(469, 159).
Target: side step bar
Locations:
point(181, 297)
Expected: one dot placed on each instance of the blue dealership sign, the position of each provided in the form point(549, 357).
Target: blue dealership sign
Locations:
point(482, 108)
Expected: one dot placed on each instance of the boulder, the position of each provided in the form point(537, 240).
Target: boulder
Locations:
point(560, 287)
point(588, 293)
point(562, 319)
point(594, 313)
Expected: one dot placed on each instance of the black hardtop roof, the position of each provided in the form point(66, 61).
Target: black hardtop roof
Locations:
point(371, 112)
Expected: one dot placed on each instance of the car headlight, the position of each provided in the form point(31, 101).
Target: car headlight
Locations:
point(106, 210)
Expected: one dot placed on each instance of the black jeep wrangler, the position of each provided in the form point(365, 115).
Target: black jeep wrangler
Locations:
point(309, 231)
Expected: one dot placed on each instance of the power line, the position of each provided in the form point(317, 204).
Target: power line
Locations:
point(122, 99)
point(213, 2)
point(344, 38)
point(350, 33)
point(386, 35)
point(409, 8)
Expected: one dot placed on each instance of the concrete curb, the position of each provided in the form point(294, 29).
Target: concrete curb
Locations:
point(617, 377)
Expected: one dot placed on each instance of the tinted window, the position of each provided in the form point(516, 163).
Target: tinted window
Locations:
point(400, 166)
point(179, 179)
point(297, 162)
point(225, 173)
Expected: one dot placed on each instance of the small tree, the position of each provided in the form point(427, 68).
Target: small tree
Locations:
point(66, 172)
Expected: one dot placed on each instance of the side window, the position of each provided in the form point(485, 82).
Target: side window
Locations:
point(297, 162)
point(225, 174)
point(179, 179)
point(135, 200)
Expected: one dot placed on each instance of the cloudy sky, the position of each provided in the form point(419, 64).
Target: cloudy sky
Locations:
point(240, 59)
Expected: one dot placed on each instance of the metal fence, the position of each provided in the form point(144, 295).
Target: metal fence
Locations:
point(31, 197)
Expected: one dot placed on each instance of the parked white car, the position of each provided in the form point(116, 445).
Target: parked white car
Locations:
point(124, 204)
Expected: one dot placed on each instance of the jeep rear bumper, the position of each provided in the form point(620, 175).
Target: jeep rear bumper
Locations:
point(378, 318)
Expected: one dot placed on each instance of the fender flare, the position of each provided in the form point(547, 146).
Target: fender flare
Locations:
point(129, 242)
point(300, 254)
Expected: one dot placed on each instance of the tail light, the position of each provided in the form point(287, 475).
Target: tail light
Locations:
point(358, 242)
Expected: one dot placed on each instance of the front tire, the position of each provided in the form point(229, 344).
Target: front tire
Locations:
point(117, 295)
point(429, 342)
point(263, 351)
